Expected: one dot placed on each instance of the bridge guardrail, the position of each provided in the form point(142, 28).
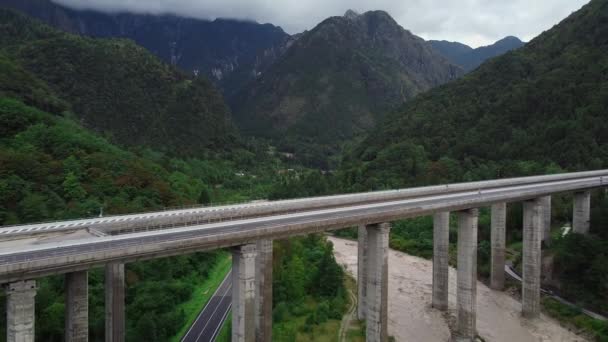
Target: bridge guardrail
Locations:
point(183, 217)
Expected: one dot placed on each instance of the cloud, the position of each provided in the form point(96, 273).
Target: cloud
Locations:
point(473, 22)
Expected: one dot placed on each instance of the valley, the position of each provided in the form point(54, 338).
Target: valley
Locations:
point(107, 113)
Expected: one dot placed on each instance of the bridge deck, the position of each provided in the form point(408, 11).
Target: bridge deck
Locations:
point(26, 262)
point(191, 216)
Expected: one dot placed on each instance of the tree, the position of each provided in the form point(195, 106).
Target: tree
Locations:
point(204, 197)
point(330, 276)
point(72, 187)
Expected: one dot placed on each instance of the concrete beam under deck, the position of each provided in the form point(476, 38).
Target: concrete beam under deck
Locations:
point(466, 295)
point(441, 247)
point(377, 283)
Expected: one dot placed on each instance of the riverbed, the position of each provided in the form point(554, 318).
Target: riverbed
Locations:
point(411, 317)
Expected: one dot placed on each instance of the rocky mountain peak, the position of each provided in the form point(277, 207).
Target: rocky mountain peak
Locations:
point(509, 41)
point(350, 14)
point(341, 76)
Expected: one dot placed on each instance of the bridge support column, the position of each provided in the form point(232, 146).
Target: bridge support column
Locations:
point(115, 302)
point(263, 296)
point(361, 271)
point(377, 283)
point(77, 306)
point(582, 212)
point(243, 293)
point(466, 295)
point(20, 311)
point(498, 237)
point(441, 244)
point(533, 221)
point(546, 230)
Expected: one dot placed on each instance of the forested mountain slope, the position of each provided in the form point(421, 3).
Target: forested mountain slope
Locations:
point(119, 89)
point(337, 80)
point(543, 106)
point(52, 168)
point(229, 52)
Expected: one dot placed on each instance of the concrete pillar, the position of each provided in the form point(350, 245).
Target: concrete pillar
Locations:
point(115, 302)
point(546, 224)
point(263, 296)
point(441, 246)
point(466, 292)
point(533, 218)
point(377, 283)
point(498, 238)
point(243, 293)
point(361, 271)
point(20, 311)
point(582, 212)
point(77, 306)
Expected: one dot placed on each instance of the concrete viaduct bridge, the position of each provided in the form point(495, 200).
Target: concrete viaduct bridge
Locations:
point(28, 252)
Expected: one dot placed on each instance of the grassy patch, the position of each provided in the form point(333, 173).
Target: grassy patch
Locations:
point(300, 329)
point(203, 293)
point(356, 330)
point(226, 332)
point(573, 317)
point(298, 326)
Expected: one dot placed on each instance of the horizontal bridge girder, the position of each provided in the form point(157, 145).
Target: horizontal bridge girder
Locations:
point(62, 257)
point(201, 215)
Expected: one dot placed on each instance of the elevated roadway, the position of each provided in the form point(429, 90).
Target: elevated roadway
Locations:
point(32, 261)
point(28, 252)
point(112, 225)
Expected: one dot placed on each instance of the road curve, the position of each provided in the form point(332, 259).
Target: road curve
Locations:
point(209, 322)
point(509, 270)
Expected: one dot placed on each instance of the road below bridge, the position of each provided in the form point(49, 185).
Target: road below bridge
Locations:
point(511, 272)
point(208, 323)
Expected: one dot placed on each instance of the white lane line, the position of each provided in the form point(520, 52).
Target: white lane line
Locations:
point(499, 183)
point(205, 307)
point(214, 311)
point(270, 219)
point(217, 329)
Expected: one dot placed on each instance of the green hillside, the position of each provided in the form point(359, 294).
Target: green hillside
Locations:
point(119, 89)
point(540, 108)
point(336, 81)
point(52, 168)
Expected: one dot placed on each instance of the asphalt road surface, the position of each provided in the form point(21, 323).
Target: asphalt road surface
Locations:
point(209, 322)
point(311, 219)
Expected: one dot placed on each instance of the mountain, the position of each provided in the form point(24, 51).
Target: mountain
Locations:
point(451, 50)
point(469, 58)
point(229, 52)
point(337, 80)
point(113, 87)
point(541, 108)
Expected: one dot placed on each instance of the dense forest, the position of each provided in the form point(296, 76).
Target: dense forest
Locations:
point(336, 81)
point(91, 127)
point(53, 167)
point(119, 89)
point(539, 109)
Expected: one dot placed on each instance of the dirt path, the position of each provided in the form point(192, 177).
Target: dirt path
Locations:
point(412, 319)
point(348, 318)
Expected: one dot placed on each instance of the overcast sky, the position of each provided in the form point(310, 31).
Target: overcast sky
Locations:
point(473, 22)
